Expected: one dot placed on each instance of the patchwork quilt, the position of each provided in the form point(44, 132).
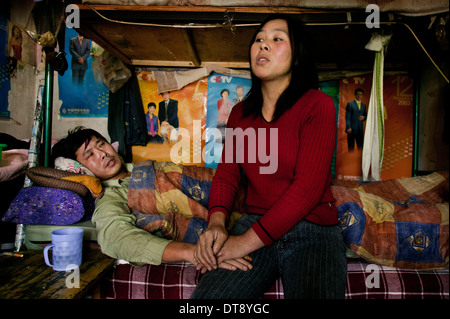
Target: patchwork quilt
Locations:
point(170, 198)
point(400, 222)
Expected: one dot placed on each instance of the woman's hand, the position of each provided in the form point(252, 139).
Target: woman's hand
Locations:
point(232, 264)
point(240, 246)
point(210, 242)
point(238, 263)
point(208, 245)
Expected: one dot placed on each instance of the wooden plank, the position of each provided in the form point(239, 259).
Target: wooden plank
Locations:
point(30, 278)
point(237, 65)
point(190, 47)
point(261, 10)
point(89, 33)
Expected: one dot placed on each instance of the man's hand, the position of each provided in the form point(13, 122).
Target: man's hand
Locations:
point(208, 245)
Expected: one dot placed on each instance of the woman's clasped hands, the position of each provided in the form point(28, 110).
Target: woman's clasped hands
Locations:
point(215, 249)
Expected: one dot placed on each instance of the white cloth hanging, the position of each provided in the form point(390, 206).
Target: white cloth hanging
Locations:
point(373, 150)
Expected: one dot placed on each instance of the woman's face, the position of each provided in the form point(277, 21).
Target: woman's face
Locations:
point(271, 54)
point(225, 95)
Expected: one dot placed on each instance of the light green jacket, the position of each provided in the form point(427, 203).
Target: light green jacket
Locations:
point(117, 233)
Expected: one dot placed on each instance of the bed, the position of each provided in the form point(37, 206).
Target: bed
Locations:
point(410, 268)
point(396, 232)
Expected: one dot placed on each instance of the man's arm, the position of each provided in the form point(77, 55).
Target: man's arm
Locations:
point(87, 51)
point(173, 115)
point(73, 50)
point(118, 235)
point(348, 114)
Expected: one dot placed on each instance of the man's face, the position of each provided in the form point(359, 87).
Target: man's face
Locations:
point(166, 96)
point(359, 95)
point(100, 158)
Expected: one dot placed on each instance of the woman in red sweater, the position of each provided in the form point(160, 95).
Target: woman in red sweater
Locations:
point(289, 228)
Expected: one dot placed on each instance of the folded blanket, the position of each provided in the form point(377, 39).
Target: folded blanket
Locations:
point(399, 222)
point(170, 197)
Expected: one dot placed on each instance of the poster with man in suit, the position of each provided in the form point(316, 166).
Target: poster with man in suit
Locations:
point(80, 49)
point(81, 93)
point(168, 117)
point(355, 115)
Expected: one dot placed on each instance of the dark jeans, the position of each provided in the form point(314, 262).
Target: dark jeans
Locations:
point(310, 260)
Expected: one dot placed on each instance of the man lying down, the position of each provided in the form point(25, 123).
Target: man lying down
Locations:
point(115, 224)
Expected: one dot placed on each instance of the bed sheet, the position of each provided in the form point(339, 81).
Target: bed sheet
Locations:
point(365, 281)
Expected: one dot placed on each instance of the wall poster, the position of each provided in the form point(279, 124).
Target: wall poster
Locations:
point(5, 84)
point(203, 107)
point(185, 144)
point(81, 94)
point(331, 88)
point(398, 119)
point(224, 92)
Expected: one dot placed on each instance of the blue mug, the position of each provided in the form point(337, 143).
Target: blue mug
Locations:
point(67, 246)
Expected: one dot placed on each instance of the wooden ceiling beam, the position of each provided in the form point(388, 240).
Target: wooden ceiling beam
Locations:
point(150, 63)
point(91, 34)
point(190, 47)
point(261, 10)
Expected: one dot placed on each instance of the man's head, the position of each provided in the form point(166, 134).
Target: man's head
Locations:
point(359, 93)
point(91, 149)
point(240, 91)
point(166, 96)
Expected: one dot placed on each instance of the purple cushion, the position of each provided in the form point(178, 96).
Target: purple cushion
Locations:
point(37, 205)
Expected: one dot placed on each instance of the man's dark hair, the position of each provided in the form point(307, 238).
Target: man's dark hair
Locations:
point(359, 90)
point(67, 146)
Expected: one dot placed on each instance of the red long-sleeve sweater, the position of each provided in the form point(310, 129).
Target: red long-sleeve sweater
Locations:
point(299, 187)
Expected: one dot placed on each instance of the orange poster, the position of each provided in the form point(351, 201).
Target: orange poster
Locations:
point(187, 141)
point(398, 121)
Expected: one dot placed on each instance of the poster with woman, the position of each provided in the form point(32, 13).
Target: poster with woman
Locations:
point(224, 92)
point(176, 121)
point(14, 49)
point(4, 76)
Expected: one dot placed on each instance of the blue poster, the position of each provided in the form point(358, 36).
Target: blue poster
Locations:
point(224, 92)
point(4, 76)
point(81, 94)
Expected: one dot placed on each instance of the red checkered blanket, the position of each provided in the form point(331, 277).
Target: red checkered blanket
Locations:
point(365, 281)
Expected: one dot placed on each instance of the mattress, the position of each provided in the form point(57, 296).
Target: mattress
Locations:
point(178, 281)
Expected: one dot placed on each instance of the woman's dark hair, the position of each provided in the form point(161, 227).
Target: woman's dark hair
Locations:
point(67, 146)
point(304, 74)
point(151, 104)
point(224, 90)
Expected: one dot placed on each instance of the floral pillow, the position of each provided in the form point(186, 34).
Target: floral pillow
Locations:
point(37, 205)
point(70, 165)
